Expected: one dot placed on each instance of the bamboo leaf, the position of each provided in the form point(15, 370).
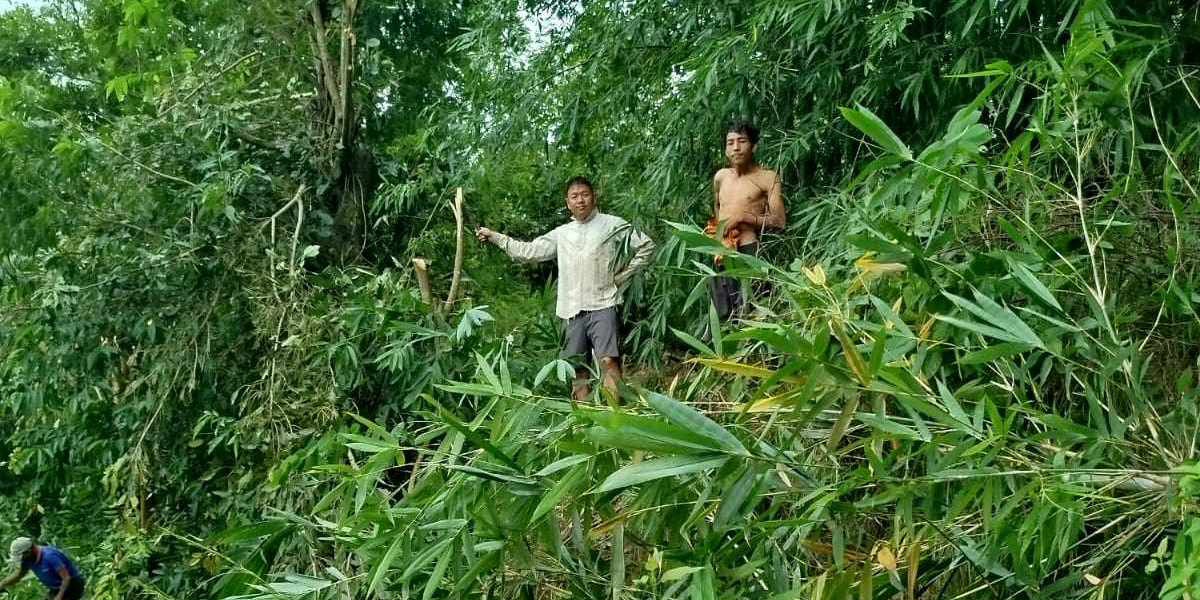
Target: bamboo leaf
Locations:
point(562, 463)
point(475, 438)
point(853, 358)
point(555, 494)
point(887, 425)
point(736, 368)
point(691, 340)
point(658, 468)
point(1003, 324)
point(1031, 283)
point(874, 128)
point(692, 420)
point(679, 573)
point(435, 578)
point(735, 497)
point(299, 585)
point(492, 475)
point(992, 353)
point(843, 422)
point(622, 430)
point(490, 374)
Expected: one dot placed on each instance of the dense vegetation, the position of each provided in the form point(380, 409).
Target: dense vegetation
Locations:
point(974, 375)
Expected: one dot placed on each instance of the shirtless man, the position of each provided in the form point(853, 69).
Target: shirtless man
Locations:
point(748, 199)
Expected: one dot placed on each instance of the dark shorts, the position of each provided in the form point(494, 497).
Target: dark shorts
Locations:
point(74, 591)
point(726, 292)
point(593, 332)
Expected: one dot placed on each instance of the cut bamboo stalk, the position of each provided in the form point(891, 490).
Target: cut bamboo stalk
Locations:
point(422, 269)
point(458, 250)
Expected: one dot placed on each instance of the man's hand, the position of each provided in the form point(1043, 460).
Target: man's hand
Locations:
point(484, 234)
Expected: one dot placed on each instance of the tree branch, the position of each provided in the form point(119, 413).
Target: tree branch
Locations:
point(210, 80)
point(318, 30)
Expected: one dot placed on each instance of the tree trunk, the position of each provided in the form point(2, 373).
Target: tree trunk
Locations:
point(346, 167)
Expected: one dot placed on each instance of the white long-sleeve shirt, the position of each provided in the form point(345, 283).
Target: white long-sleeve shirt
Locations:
point(590, 259)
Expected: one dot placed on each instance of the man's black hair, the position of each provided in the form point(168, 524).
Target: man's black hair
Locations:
point(745, 128)
point(579, 180)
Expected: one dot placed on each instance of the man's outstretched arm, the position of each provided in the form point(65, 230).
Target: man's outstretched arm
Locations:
point(540, 249)
point(12, 579)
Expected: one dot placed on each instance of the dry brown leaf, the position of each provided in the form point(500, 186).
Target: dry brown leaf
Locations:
point(886, 559)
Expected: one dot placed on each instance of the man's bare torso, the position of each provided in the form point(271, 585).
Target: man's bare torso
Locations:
point(747, 193)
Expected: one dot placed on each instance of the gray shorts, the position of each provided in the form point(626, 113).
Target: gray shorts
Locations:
point(593, 331)
point(726, 292)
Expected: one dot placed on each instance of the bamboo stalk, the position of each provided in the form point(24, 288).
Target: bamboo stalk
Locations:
point(458, 250)
point(422, 269)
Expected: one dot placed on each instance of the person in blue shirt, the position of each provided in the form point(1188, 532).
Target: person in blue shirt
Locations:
point(49, 564)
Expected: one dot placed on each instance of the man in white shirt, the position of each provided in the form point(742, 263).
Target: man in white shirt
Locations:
point(592, 273)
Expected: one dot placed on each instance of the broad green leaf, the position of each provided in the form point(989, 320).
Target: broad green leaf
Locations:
point(874, 127)
point(562, 463)
point(992, 353)
point(555, 494)
point(381, 568)
point(1031, 283)
point(679, 573)
point(658, 468)
point(693, 420)
point(646, 433)
point(299, 585)
point(887, 425)
point(435, 578)
point(691, 340)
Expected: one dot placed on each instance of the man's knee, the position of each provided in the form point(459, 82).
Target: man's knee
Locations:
point(610, 363)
